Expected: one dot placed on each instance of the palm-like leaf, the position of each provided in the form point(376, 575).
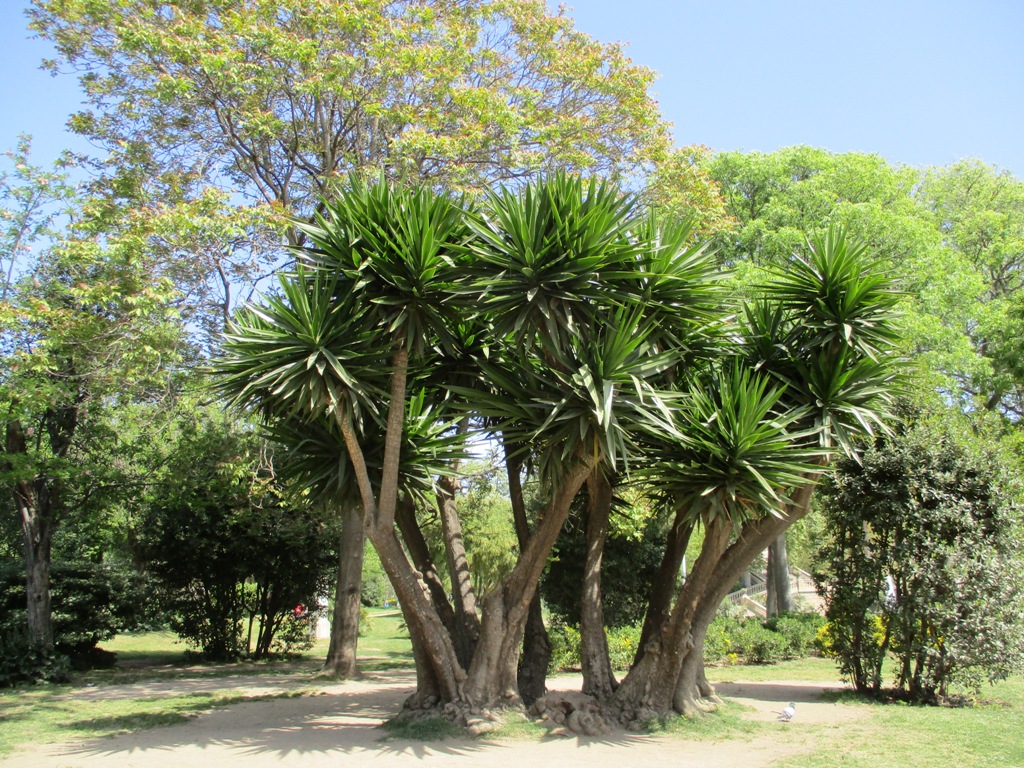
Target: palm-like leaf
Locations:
point(302, 353)
point(841, 296)
point(316, 458)
point(679, 286)
point(827, 331)
point(543, 258)
point(396, 248)
point(737, 450)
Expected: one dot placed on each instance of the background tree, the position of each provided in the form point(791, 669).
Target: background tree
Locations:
point(256, 112)
point(87, 324)
point(922, 561)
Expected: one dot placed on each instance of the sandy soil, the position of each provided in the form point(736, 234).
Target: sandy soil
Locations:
point(338, 726)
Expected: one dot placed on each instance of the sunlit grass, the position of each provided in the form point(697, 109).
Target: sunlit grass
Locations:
point(726, 722)
point(810, 668)
point(987, 734)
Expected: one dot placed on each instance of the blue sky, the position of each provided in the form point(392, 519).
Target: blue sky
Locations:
point(921, 83)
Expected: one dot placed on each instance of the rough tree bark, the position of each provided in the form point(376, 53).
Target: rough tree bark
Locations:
point(663, 589)
point(692, 686)
point(650, 686)
point(466, 619)
point(780, 598)
point(341, 654)
point(37, 502)
point(493, 673)
point(531, 675)
point(441, 679)
point(33, 503)
point(598, 678)
point(418, 550)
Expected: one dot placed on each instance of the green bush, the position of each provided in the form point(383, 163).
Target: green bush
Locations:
point(90, 603)
point(757, 645)
point(720, 643)
point(800, 631)
point(565, 647)
point(622, 645)
point(294, 635)
point(22, 662)
point(732, 639)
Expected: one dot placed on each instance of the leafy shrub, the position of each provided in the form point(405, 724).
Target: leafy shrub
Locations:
point(622, 645)
point(757, 645)
point(23, 662)
point(719, 643)
point(90, 603)
point(922, 561)
point(565, 647)
point(799, 630)
point(294, 635)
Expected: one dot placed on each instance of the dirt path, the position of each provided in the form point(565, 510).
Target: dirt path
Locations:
point(338, 726)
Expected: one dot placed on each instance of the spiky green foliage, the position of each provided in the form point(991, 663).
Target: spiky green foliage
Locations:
point(827, 330)
point(545, 258)
point(395, 248)
point(736, 451)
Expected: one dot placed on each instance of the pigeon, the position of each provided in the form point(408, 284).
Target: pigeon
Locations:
point(787, 714)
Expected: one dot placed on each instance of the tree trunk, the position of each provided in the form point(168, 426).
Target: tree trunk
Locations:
point(341, 654)
point(651, 684)
point(35, 504)
point(439, 674)
point(418, 550)
point(755, 536)
point(492, 675)
point(598, 678)
point(37, 533)
point(665, 582)
point(466, 620)
point(532, 673)
point(779, 598)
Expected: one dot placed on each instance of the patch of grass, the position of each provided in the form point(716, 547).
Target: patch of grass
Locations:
point(726, 722)
point(47, 715)
point(987, 734)
point(386, 644)
point(420, 729)
point(517, 729)
point(809, 668)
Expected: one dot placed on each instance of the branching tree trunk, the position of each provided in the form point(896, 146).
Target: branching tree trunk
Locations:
point(493, 673)
point(341, 655)
point(533, 664)
point(466, 620)
point(598, 678)
point(664, 586)
point(651, 684)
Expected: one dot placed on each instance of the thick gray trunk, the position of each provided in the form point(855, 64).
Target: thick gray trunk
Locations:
point(532, 673)
point(598, 678)
point(492, 676)
point(652, 683)
point(779, 598)
point(466, 620)
point(422, 560)
point(341, 655)
point(693, 689)
point(664, 587)
point(33, 503)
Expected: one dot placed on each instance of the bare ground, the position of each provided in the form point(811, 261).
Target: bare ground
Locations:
point(338, 725)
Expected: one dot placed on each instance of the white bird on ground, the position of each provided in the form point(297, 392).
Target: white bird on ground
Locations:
point(787, 714)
